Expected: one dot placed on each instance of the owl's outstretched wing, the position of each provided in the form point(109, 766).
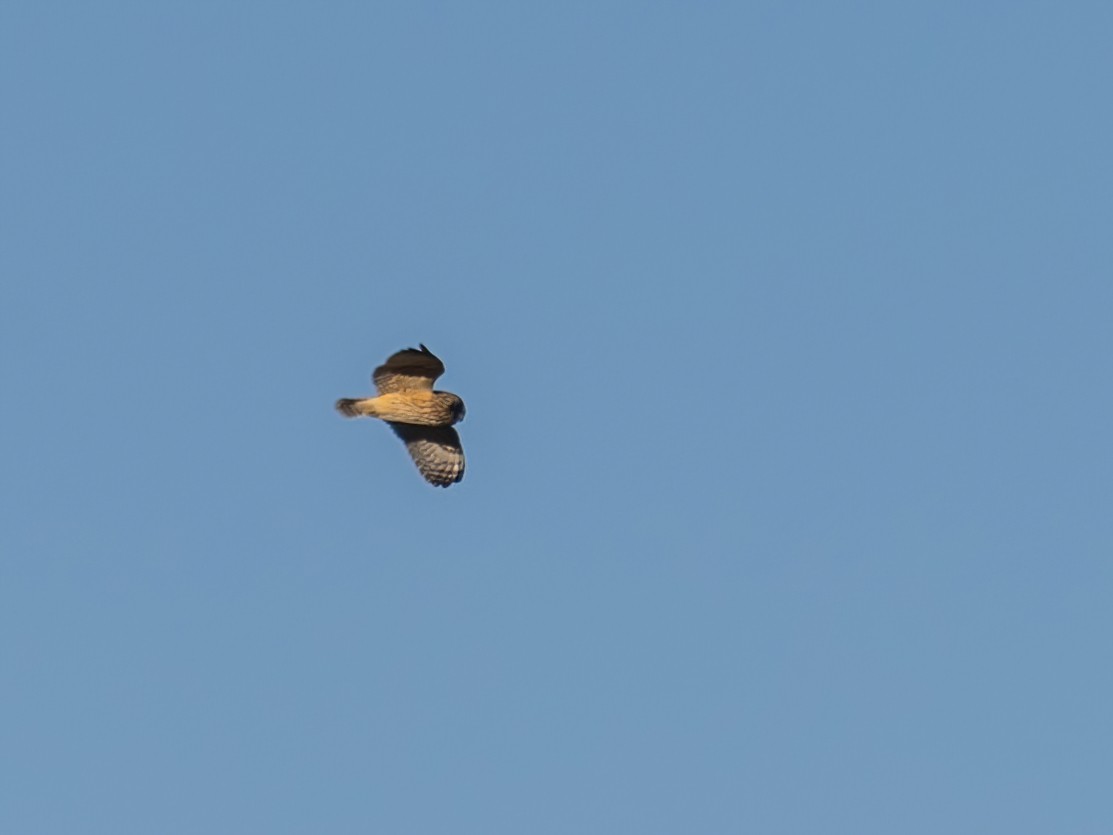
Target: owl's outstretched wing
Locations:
point(408, 370)
point(435, 449)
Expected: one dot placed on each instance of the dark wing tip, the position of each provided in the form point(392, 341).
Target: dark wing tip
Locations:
point(426, 352)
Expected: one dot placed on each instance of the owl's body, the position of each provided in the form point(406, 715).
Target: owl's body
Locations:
point(421, 417)
point(423, 408)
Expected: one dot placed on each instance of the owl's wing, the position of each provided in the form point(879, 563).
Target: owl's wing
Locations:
point(435, 449)
point(408, 370)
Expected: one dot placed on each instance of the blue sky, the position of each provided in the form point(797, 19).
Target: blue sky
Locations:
point(784, 331)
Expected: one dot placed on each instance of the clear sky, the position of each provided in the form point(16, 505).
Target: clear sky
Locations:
point(785, 336)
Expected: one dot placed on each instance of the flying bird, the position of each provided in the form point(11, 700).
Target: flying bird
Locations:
point(420, 416)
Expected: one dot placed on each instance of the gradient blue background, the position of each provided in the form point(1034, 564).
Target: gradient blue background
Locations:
point(785, 335)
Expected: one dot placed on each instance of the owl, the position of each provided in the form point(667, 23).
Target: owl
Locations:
point(421, 417)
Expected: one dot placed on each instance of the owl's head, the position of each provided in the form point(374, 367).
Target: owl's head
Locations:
point(455, 407)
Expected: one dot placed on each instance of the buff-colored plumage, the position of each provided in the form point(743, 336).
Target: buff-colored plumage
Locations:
point(420, 416)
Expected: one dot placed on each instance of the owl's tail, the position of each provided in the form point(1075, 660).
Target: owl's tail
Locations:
point(353, 408)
